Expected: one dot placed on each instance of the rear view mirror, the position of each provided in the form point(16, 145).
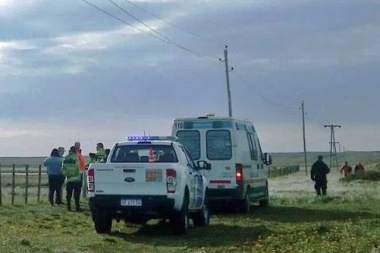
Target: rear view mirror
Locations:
point(203, 165)
point(267, 159)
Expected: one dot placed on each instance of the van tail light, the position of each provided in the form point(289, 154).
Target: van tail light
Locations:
point(171, 180)
point(90, 180)
point(239, 173)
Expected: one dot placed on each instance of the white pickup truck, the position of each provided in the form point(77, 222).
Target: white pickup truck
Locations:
point(147, 178)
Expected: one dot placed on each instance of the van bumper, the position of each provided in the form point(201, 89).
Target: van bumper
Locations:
point(225, 195)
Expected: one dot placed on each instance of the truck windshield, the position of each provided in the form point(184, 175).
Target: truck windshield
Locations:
point(144, 153)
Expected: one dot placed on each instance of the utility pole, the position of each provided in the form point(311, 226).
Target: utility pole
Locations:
point(333, 146)
point(304, 135)
point(228, 80)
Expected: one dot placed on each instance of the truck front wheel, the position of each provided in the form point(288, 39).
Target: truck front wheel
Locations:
point(202, 217)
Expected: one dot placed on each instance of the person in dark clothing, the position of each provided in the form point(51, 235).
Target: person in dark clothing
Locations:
point(54, 171)
point(359, 169)
point(319, 170)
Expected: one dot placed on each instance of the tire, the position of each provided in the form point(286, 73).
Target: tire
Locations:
point(180, 220)
point(265, 202)
point(102, 221)
point(202, 217)
point(245, 206)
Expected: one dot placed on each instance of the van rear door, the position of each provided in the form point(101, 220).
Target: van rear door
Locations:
point(219, 151)
point(214, 146)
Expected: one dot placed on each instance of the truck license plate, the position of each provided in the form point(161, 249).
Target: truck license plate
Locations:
point(131, 202)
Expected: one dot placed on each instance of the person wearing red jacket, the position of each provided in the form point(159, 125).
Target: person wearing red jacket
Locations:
point(345, 169)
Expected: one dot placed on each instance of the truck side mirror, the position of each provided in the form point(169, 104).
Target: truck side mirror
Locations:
point(203, 165)
point(267, 159)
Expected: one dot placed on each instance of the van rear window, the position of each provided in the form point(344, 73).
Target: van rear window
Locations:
point(218, 143)
point(192, 141)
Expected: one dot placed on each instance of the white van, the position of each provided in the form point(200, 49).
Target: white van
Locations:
point(238, 167)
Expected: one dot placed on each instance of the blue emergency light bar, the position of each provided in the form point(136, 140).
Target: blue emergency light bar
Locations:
point(152, 138)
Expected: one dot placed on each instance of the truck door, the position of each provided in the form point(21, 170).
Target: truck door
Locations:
point(196, 188)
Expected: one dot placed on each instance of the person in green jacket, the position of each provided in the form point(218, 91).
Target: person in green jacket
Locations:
point(70, 169)
point(99, 157)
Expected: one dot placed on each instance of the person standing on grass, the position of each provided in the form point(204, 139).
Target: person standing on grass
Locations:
point(318, 173)
point(72, 172)
point(346, 169)
point(82, 160)
point(359, 168)
point(54, 171)
point(61, 151)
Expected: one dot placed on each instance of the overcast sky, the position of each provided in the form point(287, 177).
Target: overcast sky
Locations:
point(99, 71)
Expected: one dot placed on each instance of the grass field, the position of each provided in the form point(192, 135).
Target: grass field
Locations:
point(347, 220)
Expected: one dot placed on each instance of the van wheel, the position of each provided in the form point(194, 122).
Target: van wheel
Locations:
point(102, 221)
point(202, 217)
point(180, 220)
point(245, 205)
point(265, 202)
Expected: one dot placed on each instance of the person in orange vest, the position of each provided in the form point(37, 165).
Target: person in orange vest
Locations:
point(345, 169)
point(82, 160)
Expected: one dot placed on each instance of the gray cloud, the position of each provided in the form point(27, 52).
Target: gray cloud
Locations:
point(70, 63)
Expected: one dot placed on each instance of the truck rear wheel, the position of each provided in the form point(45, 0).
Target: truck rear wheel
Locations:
point(102, 221)
point(202, 217)
point(180, 220)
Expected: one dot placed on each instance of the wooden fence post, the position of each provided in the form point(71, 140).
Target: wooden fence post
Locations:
point(1, 192)
point(39, 184)
point(26, 183)
point(13, 183)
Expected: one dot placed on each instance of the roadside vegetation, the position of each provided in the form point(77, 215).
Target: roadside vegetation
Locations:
point(347, 220)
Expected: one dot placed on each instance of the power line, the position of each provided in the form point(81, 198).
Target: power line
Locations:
point(258, 93)
point(174, 25)
point(160, 34)
point(162, 38)
point(113, 16)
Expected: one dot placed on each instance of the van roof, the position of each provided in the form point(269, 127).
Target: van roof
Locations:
point(213, 118)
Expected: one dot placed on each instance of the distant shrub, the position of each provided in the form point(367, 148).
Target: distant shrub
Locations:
point(367, 175)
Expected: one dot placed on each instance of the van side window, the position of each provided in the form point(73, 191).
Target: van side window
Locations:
point(218, 145)
point(261, 152)
point(252, 146)
point(192, 141)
